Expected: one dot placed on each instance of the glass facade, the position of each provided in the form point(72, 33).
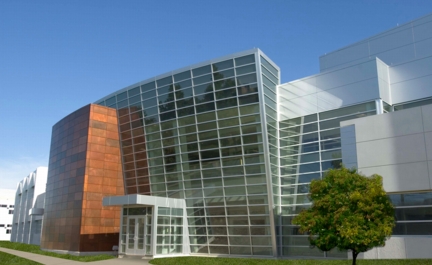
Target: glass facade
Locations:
point(213, 135)
point(198, 135)
point(309, 146)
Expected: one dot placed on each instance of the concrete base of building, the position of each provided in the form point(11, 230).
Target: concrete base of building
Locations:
point(401, 247)
point(123, 256)
point(81, 253)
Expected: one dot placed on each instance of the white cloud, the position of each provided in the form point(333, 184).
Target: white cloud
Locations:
point(13, 171)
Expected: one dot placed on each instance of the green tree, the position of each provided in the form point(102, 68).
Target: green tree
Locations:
point(349, 211)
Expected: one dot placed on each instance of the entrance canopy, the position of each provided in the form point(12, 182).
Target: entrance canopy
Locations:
point(137, 199)
point(151, 226)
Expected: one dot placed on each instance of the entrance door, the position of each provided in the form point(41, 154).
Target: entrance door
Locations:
point(135, 238)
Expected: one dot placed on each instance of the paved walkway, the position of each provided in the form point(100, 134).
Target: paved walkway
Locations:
point(57, 261)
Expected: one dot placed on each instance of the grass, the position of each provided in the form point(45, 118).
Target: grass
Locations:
point(241, 261)
point(6, 258)
point(36, 250)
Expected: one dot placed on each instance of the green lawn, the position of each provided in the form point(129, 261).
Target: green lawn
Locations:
point(36, 249)
point(241, 261)
point(6, 258)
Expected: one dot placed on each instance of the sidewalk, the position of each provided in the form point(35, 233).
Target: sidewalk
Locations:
point(57, 261)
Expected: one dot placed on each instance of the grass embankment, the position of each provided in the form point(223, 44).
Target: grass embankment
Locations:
point(36, 250)
point(6, 258)
point(240, 261)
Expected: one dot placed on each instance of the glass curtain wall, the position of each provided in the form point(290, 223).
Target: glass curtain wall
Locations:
point(169, 231)
point(197, 135)
point(270, 80)
point(309, 145)
point(413, 213)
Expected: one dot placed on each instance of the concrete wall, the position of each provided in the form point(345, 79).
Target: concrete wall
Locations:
point(404, 43)
point(411, 80)
point(333, 89)
point(402, 247)
point(396, 145)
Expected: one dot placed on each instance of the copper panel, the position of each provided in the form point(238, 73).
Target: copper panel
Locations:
point(84, 167)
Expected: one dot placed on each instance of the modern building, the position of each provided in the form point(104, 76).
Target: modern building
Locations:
point(29, 208)
point(6, 212)
point(215, 158)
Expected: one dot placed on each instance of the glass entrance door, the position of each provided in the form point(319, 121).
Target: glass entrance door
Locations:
point(136, 235)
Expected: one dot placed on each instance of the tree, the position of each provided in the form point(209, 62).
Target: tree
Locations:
point(349, 211)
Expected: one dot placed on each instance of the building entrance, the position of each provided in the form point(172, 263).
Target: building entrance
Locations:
point(136, 231)
point(136, 235)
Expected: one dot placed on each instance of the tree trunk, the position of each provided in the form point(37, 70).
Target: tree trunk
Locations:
point(354, 256)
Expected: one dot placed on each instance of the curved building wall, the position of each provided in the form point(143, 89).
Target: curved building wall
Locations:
point(84, 167)
point(29, 207)
point(199, 133)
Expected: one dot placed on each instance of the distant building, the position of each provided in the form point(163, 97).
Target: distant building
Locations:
point(215, 158)
point(29, 207)
point(7, 198)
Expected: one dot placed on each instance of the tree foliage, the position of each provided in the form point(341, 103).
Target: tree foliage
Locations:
point(349, 211)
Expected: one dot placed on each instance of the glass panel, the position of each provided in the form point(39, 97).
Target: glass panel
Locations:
point(223, 65)
point(239, 240)
point(410, 105)
point(122, 96)
point(184, 93)
point(347, 110)
point(304, 138)
point(206, 117)
point(205, 107)
point(201, 70)
point(182, 76)
point(245, 60)
point(335, 133)
point(271, 76)
point(417, 228)
point(414, 214)
point(269, 84)
point(228, 122)
point(223, 74)
point(245, 69)
point(202, 79)
point(226, 83)
point(246, 79)
point(239, 230)
point(227, 93)
point(269, 66)
point(203, 88)
point(411, 199)
point(331, 144)
point(208, 97)
point(164, 81)
point(334, 154)
point(248, 99)
point(207, 126)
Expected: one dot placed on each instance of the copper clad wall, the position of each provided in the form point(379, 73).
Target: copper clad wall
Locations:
point(84, 167)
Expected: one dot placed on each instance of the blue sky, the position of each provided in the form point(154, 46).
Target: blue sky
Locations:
point(57, 56)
